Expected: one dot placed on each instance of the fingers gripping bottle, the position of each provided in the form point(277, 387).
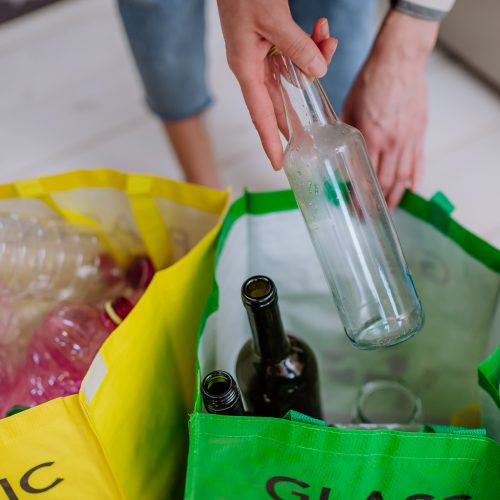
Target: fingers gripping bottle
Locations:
point(329, 171)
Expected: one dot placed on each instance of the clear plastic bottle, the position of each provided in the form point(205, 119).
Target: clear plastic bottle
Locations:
point(49, 258)
point(329, 171)
point(62, 349)
point(7, 374)
point(9, 336)
point(9, 323)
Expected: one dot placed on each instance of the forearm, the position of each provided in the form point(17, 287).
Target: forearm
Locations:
point(388, 100)
point(406, 39)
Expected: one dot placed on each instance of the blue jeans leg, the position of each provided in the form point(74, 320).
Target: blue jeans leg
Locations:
point(167, 38)
point(167, 41)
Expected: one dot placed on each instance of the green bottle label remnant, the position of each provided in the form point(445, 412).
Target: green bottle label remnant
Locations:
point(331, 194)
point(15, 409)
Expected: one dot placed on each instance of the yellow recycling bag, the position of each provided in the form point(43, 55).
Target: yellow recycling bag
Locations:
point(125, 434)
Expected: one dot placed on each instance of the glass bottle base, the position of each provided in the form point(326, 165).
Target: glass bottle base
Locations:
point(387, 332)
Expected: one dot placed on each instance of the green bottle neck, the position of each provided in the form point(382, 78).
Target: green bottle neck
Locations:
point(220, 394)
point(269, 338)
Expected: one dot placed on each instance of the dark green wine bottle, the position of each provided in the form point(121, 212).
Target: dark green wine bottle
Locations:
point(276, 372)
point(221, 395)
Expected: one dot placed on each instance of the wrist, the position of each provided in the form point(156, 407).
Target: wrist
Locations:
point(407, 38)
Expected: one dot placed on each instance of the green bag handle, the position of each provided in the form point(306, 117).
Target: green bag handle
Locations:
point(440, 210)
point(489, 376)
point(452, 429)
point(295, 416)
point(443, 202)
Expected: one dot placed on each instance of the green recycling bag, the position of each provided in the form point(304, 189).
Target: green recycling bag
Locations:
point(457, 276)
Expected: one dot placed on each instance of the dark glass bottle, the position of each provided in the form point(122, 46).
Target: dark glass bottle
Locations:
point(221, 395)
point(276, 372)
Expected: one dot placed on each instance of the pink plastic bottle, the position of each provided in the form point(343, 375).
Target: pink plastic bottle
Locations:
point(62, 349)
point(64, 344)
point(138, 276)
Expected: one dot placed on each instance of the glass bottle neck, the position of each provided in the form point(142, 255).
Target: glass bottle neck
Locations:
point(269, 338)
point(304, 100)
point(220, 394)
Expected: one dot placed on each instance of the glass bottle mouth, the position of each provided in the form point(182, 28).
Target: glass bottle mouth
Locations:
point(387, 401)
point(219, 391)
point(258, 292)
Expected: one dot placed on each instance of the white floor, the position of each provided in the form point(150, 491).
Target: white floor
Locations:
point(71, 99)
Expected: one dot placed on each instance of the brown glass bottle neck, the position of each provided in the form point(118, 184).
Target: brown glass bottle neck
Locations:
point(269, 338)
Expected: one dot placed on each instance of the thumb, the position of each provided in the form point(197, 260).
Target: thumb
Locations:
point(299, 47)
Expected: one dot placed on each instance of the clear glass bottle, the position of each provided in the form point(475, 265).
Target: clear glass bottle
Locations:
point(330, 173)
point(386, 402)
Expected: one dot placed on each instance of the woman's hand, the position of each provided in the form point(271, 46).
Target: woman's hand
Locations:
point(250, 29)
point(388, 102)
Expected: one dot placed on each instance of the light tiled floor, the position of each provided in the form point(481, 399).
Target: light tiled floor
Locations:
point(71, 99)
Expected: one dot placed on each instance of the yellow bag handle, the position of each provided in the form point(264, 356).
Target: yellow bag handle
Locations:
point(149, 221)
point(34, 188)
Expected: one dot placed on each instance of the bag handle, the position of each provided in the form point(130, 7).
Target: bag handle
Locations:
point(295, 416)
point(443, 202)
point(452, 429)
point(440, 210)
point(33, 188)
point(151, 226)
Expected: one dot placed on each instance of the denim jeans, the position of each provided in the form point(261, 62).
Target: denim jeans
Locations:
point(167, 41)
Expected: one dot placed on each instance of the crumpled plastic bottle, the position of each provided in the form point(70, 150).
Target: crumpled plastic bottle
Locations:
point(62, 349)
point(9, 336)
point(48, 258)
point(66, 341)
